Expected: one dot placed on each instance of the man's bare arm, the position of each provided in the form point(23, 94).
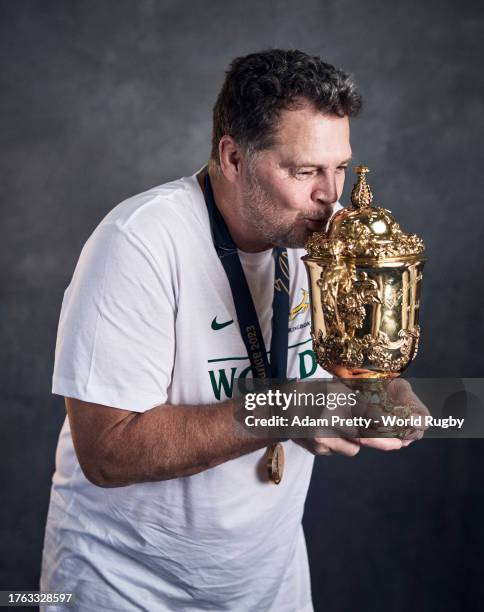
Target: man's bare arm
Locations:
point(117, 447)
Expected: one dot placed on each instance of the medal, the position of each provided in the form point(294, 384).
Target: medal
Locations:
point(275, 462)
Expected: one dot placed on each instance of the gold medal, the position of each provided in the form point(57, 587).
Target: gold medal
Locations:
point(275, 462)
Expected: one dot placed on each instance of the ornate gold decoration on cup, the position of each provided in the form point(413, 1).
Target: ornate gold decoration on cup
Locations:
point(364, 278)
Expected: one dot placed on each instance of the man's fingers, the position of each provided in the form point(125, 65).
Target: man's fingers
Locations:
point(345, 431)
point(338, 445)
point(385, 444)
point(399, 390)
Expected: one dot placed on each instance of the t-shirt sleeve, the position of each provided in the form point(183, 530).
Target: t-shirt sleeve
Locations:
point(116, 337)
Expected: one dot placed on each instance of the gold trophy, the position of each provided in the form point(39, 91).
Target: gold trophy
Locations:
point(365, 277)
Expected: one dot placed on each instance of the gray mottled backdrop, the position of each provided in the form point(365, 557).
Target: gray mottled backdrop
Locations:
point(103, 99)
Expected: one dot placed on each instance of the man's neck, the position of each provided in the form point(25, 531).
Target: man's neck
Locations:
point(228, 204)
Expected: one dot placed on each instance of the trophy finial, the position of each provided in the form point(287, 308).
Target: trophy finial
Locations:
point(361, 196)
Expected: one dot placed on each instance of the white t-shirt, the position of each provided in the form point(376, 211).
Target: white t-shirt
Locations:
point(147, 319)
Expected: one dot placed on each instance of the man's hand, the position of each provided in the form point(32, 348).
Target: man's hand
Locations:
point(347, 447)
point(348, 441)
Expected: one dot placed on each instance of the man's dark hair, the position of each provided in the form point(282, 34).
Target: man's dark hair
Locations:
point(259, 86)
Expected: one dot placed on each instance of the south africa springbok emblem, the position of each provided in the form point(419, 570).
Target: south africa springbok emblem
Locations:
point(303, 306)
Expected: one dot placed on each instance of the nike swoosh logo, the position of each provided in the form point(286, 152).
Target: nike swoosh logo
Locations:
point(216, 326)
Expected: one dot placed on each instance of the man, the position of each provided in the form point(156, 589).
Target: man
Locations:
point(157, 504)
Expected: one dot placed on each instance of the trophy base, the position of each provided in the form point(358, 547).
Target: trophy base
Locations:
point(345, 372)
point(371, 385)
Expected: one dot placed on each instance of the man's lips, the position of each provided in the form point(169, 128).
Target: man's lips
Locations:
point(317, 224)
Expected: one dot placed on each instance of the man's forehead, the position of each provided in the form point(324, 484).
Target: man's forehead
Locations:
point(305, 134)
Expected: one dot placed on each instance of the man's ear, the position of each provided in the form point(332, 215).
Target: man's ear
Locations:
point(229, 155)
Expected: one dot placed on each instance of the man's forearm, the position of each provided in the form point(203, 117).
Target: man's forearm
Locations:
point(164, 442)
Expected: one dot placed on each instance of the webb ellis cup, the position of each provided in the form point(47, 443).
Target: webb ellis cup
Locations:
point(365, 276)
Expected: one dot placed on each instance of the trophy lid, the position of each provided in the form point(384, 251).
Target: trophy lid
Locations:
point(364, 231)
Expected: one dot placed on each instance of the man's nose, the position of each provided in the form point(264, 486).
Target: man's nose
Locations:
point(325, 192)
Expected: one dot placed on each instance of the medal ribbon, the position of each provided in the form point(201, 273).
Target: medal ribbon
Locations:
point(244, 305)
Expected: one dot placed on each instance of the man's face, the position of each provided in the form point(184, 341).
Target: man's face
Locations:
point(289, 190)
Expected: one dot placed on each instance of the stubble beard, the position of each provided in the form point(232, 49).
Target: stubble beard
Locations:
point(261, 215)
